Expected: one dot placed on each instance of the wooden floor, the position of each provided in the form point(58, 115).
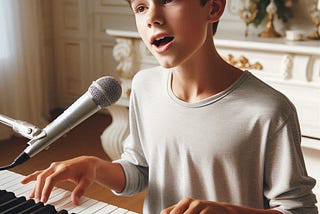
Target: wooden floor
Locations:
point(82, 140)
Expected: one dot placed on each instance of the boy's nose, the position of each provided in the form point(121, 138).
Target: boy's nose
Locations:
point(154, 16)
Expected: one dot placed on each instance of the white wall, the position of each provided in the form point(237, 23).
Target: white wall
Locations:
point(83, 51)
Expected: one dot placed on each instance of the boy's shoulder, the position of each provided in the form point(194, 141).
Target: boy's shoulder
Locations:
point(265, 97)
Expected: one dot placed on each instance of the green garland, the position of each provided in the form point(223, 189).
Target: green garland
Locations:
point(283, 12)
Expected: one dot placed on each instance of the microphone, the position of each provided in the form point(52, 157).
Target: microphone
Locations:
point(101, 93)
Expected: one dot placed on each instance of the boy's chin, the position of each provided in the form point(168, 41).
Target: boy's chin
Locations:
point(166, 64)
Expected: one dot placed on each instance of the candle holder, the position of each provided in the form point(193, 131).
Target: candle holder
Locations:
point(269, 30)
point(248, 14)
point(315, 17)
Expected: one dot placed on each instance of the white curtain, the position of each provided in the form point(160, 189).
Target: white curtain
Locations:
point(23, 73)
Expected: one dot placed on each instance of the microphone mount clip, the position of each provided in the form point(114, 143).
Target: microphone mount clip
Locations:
point(21, 127)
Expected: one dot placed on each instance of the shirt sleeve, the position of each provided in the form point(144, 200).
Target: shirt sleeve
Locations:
point(287, 185)
point(133, 160)
point(136, 174)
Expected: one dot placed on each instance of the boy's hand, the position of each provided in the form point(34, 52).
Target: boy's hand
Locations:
point(81, 171)
point(193, 206)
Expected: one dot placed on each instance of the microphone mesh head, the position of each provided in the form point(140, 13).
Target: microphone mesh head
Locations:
point(105, 91)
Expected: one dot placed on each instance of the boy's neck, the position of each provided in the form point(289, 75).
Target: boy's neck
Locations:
point(197, 80)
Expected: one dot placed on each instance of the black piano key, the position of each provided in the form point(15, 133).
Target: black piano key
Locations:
point(7, 197)
point(47, 209)
point(11, 203)
point(62, 212)
point(20, 207)
point(2, 192)
point(34, 208)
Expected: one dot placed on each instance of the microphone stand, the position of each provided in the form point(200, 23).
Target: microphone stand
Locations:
point(25, 129)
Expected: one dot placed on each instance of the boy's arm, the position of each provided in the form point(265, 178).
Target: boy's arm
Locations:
point(189, 205)
point(83, 171)
point(110, 175)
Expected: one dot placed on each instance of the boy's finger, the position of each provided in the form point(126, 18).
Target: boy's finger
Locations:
point(31, 177)
point(41, 182)
point(79, 190)
point(49, 184)
point(46, 192)
point(32, 193)
point(167, 210)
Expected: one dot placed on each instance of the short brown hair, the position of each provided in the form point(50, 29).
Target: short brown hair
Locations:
point(214, 25)
point(203, 2)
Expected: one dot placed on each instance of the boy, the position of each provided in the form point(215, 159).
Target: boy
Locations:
point(205, 137)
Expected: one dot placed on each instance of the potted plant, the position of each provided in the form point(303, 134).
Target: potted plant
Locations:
point(284, 10)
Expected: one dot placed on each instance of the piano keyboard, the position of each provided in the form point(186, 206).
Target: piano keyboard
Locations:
point(14, 199)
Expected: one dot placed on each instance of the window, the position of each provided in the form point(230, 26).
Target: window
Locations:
point(4, 31)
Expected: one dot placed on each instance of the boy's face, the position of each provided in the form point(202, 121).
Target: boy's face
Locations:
point(173, 30)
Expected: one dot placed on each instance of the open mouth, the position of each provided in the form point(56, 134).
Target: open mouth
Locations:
point(162, 41)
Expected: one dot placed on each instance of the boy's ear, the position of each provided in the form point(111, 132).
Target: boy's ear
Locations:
point(217, 8)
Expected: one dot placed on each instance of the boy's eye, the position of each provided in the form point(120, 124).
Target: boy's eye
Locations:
point(139, 9)
point(166, 1)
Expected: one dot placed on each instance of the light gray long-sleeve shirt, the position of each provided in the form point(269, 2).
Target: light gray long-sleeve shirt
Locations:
point(241, 146)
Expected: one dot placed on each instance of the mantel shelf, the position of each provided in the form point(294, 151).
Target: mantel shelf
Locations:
point(235, 40)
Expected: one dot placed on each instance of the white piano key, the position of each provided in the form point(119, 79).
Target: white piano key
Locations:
point(59, 198)
point(23, 190)
point(94, 208)
point(8, 176)
point(19, 186)
point(107, 209)
point(83, 205)
point(9, 182)
point(4, 174)
point(69, 204)
point(14, 184)
point(119, 211)
point(56, 191)
point(59, 204)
